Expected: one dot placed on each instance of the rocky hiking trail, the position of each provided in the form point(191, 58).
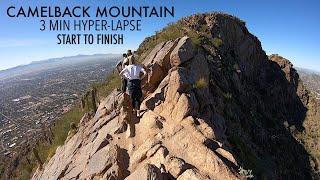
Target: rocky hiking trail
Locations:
point(208, 109)
point(170, 140)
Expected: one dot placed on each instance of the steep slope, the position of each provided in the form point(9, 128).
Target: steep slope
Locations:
point(213, 103)
point(310, 137)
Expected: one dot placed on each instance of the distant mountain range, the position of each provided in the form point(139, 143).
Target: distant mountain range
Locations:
point(39, 66)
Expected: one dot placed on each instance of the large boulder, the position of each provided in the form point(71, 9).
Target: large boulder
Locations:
point(147, 172)
point(182, 52)
point(191, 174)
point(102, 160)
point(176, 166)
point(158, 63)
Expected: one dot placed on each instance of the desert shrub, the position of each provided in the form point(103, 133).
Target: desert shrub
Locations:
point(203, 28)
point(247, 173)
point(217, 42)
point(195, 38)
point(171, 32)
point(236, 66)
point(73, 126)
point(200, 83)
point(227, 95)
point(210, 58)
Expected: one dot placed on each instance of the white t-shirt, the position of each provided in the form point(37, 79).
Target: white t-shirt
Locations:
point(132, 71)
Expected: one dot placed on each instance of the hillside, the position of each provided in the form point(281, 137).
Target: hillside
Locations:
point(311, 79)
point(38, 98)
point(215, 107)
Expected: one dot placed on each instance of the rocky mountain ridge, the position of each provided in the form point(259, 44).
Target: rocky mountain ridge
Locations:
point(214, 105)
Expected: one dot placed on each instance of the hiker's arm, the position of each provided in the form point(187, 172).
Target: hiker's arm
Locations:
point(144, 72)
point(122, 72)
point(119, 66)
point(119, 63)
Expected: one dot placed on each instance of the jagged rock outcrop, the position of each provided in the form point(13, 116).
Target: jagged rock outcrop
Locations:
point(207, 110)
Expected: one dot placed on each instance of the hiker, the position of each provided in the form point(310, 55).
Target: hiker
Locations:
point(132, 73)
point(120, 66)
point(130, 56)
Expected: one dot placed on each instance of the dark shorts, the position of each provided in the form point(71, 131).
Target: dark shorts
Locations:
point(135, 92)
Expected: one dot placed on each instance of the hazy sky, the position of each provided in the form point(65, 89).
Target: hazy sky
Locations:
point(289, 28)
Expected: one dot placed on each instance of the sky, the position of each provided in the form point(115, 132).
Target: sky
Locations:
point(289, 28)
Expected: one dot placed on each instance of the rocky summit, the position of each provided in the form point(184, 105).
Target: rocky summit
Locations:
point(215, 106)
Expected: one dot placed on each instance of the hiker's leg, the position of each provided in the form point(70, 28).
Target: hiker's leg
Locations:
point(123, 85)
point(133, 102)
point(138, 98)
point(131, 127)
point(128, 115)
point(137, 104)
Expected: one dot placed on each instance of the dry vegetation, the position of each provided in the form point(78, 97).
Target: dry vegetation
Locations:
point(60, 130)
